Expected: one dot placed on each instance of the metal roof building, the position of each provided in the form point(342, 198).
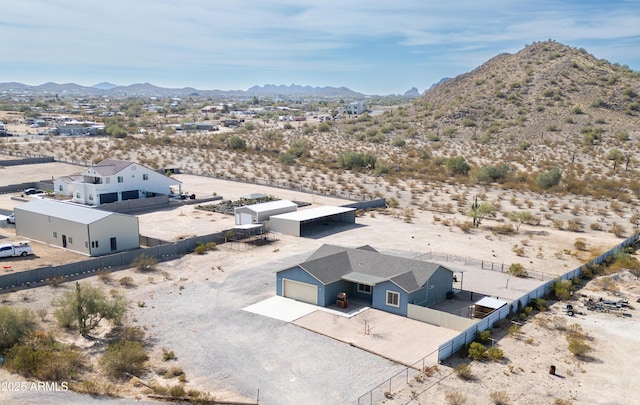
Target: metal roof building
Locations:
point(78, 228)
point(259, 213)
point(306, 222)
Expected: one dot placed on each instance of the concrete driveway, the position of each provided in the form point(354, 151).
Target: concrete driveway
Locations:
point(288, 310)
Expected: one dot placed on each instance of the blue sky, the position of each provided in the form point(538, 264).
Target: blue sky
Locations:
point(373, 46)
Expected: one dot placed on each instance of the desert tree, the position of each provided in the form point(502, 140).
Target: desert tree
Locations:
point(479, 211)
point(616, 156)
point(520, 217)
point(87, 306)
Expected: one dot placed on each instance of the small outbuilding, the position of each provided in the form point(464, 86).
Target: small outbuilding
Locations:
point(487, 305)
point(85, 230)
point(312, 220)
point(259, 213)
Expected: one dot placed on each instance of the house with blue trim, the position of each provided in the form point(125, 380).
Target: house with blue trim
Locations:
point(388, 283)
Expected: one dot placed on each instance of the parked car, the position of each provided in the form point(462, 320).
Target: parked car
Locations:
point(30, 191)
point(15, 249)
point(11, 219)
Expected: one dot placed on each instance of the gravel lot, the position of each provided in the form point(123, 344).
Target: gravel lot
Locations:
point(228, 348)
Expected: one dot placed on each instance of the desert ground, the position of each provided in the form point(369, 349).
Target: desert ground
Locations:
point(198, 312)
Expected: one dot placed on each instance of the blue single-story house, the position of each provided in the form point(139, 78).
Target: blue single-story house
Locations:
point(388, 283)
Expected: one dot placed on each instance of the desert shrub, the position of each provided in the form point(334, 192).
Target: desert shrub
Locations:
point(430, 371)
point(14, 324)
point(495, 354)
point(484, 335)
point(580, 244)
point(463, 371)
point(144, 263)
point(504, 229)
point(104, 276)
point(560, 401)
point(562, 289)
point(575, 225)
point(398, 142)
point(457, 166)
point(578, 347)
point(124, 357)
point(40, 356)
point(500, 398)
point(200, 248)
point(549, 178)
point(355, 160)
point(476, 351)
point(130, 333)
point(617, 230)
point(236, 143)
point(168, 354)
point(94, 388)
point(595, 226)
point(518, 270)
point(455, 398)
point(126, 281)
point(465, 226)
point(539, 303)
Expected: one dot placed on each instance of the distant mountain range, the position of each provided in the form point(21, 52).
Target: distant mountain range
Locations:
point(148, 90)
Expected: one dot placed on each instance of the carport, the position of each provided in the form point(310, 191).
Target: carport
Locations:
point(309, 221)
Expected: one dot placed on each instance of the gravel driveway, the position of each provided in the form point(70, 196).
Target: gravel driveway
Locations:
point(228, 348)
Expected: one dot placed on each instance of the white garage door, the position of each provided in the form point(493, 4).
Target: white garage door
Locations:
point(300, 291)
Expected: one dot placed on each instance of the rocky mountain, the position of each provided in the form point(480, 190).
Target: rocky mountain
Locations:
point(104, 86)
point(412, 92)
point(546, 89)
point(148, 89)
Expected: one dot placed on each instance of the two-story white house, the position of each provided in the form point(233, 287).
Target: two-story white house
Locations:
point(355, 108)
point(114, 180)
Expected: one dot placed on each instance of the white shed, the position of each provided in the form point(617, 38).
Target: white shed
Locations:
point(258, 213)
point(85, 230)
point(305, 222)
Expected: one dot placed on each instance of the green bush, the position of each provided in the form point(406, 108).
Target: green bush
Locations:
point(457, 166)
point(236, 143)
point(476, 351)
point(484, 335)
point(495, 354)
point(124, 357)
point(518, 270)
point(463, 371)
point(549, 178)
point(578, 347)
point(144, 263)
point(562, 289)
point(14, 324)
point(40, 356)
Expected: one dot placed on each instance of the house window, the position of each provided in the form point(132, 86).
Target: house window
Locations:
point(120, 179)
point(363, 288)
point(107, 180)
point(94, 244)
point(60, 187)
point(145, 176)
point(55, 235)
point(77, 195)
point(70, 239)
point(90, 197)
point(393, 298)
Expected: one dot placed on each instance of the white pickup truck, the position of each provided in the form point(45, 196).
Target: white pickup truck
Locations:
point(15, 249)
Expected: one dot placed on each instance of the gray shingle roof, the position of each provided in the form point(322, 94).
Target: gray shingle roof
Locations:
point(331, 263)
point(109, 167)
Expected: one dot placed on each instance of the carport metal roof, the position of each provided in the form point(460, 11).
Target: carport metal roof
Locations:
point(492, 303)
point(314, 213)
point(66, 211)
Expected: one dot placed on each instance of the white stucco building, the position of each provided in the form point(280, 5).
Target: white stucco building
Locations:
point(114, 180)
point(85, 230)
